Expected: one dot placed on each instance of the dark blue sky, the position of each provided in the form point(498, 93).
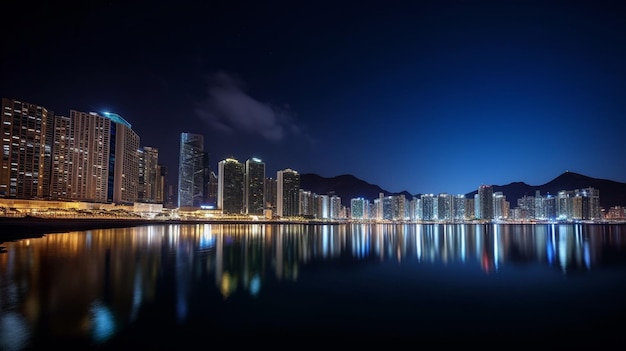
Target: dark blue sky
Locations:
point(425, 96)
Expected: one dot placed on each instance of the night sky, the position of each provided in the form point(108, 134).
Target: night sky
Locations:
point(422, 96)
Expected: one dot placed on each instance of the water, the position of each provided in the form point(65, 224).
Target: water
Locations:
point(176, 286)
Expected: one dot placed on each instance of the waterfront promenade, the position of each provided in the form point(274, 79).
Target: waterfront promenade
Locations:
point(22, 227)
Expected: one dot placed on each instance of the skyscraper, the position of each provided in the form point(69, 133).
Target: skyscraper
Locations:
point(25, 163)
point(485, 201)
point(358, 208)
point(254, 196)
point(287, 193)
point(90, 159)
point(62, 146)
point(192, 170)
point(429, 207)
point(230, 186)
point(125, 160)
point(104, 163)
point(148, 174)
point(212, 196)
point(161, 188)
point(270, 193)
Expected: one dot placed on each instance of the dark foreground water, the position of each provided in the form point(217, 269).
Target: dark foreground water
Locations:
point(198, 286)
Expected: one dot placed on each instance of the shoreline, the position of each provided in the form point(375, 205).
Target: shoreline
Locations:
point(24, 227)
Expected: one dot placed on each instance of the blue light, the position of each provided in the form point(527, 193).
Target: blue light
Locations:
point(103, 322)
point(116, 118)
point(255, 285)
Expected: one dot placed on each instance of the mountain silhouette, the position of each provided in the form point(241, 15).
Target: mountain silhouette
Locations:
point(347, 187)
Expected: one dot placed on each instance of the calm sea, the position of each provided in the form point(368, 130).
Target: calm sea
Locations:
point(176, 286)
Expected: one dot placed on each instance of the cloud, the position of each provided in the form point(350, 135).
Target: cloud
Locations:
point(227, 108)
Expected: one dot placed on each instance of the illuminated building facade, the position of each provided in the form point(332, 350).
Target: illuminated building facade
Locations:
point(254, 190)
point(230, 186)
point(444, 207)
point(417, 209)
point(193, 169)
point(307, 203)
point(399, 207)
point(104, 163)
point(270, 193)
point(288, 191)
point(429, 207)
point(469, 208)
point(485, 201)
point(148, 175)
point(359, 208)
point(125, 160)
point(387, 208)
point(161, 187)
point(61, 176)
point(90, 164)
point(458, 207)
point(500, 206)
point(212, 196)
point(26, 150)
point(323, 207)
point(336, 209)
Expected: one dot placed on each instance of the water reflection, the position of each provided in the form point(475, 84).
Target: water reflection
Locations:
point(88, 285)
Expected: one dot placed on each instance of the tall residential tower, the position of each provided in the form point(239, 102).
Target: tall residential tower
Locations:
point(104, 161)
point(193, 171)
point(287, 193)
point(230, 186)
point(254, 195)
point(26, 147)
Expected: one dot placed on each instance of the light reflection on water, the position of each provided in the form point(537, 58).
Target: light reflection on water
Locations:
point(85, 287)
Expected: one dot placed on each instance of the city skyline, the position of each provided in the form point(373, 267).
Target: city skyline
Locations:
point(93, 158)
point(430, 97)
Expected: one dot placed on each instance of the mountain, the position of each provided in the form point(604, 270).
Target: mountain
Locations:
point(612, 193)
point(347, 187)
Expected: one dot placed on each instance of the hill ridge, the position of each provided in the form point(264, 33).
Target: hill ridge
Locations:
point(348, 186)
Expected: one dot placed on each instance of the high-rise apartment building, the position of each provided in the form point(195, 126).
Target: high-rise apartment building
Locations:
point(62, 144)
point(307, 203)
point(254, 195)
point(287, 193)
point(458, 207)
point(444, 207)
point(500, 206)
point(323, 207)
point(148, 174)
point(161, 188)
point(90, 164)
point(336, 208)
point(126, 169)
point(270, 193)
point(104, 162)
point(192, 171)
point(212, 197)
point(429, 207)
point(230, 186)
point(470, 208)
point(485, 201)
point(359, 208)
point(26, 150)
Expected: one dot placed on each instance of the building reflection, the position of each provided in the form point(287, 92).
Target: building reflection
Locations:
point(98, 280)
